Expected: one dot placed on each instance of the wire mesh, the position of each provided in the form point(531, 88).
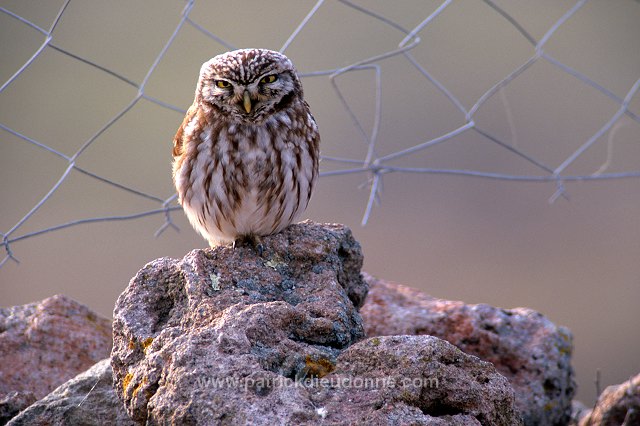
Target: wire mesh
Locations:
point(373, 166)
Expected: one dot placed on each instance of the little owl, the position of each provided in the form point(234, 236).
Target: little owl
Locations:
point(246, 154)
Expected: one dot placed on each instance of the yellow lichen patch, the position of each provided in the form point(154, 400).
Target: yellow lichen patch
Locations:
point(131, 345)
point(139, 386)
point(126, 381)
point(407, 396)
point(318, 368)
point(375, 341)
point(146, 343)
point(565, 348)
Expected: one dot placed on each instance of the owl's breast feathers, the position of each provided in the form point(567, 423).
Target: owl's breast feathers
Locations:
point(236, 178)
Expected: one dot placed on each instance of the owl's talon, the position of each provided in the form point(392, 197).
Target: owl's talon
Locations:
point(254, 241)
point(259, 249)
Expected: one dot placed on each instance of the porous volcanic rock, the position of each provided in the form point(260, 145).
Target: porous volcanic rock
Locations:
point(415, 380)
point(527, 348)
point(44, 344)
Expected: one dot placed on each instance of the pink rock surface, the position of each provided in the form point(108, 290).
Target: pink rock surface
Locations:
point(527, 348)
point(44, 344)
point(425, 380)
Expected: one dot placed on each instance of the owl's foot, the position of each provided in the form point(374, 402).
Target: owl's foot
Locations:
point(252, 240)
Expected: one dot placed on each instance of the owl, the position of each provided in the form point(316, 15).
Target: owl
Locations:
point(245, 159)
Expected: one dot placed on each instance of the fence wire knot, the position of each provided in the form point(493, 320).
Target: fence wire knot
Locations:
point(560, 191)
point(7, 248)
point(168, 221)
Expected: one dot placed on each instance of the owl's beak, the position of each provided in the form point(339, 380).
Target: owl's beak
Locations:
point(247, 101)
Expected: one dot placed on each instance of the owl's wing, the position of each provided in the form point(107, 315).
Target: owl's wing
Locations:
point(178, 139)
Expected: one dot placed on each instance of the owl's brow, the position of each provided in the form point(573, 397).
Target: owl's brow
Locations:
point(258, 76)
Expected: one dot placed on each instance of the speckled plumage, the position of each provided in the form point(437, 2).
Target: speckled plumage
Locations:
point(246, 154)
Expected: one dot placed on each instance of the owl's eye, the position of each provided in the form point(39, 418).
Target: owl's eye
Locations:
point(223, 84)
point(268, 79)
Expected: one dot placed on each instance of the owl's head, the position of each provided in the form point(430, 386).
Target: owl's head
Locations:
point(248, 85)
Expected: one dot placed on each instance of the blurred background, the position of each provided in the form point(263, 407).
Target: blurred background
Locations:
point(482, 216)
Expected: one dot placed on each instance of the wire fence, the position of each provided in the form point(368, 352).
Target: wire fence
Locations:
point(372, 166)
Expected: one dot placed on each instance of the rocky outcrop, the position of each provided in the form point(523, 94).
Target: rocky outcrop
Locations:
point(231, 336)
point(42, 345)
point(284, 335)
point(527, 348)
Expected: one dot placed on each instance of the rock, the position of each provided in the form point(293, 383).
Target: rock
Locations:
point(228, 336)
point(87, 399)
point(229, 314)
point(415, 379)
point(14, 402)
point(527, 348)
point(617, 405)
point(42, 345)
